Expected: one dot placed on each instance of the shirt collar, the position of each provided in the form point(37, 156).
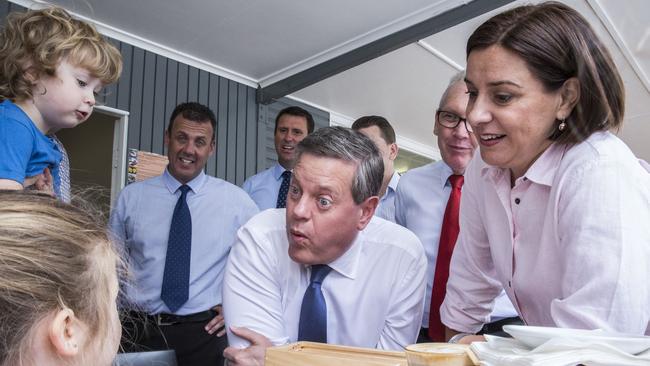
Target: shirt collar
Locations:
point(543, 169)
point(394, 180)
point(173, 184)
point(445, 173)
point(277, 171)
point(541, 172)
point(348, 263)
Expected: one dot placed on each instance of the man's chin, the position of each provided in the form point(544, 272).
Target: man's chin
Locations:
point(299, 255)
point(183, 175)
point(286, 157)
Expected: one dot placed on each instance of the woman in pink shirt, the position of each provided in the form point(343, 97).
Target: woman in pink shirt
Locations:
point(556, 209)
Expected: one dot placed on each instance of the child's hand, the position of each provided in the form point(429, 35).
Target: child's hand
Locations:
point(42, 182)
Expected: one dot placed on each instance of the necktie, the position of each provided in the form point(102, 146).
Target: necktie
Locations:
point(313, 313)
point(448, 236)
point(176, 278)
point(284, 189)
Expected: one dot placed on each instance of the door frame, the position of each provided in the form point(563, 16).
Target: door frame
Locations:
point(120, 133)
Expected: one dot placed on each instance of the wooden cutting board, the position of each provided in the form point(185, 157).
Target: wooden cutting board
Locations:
point(320, 354)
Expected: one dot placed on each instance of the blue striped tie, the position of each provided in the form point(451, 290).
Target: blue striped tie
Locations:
point(176, 278)
point(313, 313)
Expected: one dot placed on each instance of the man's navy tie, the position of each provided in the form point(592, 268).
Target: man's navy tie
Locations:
point(313, 313)
point(284, 189)
point(176, 278)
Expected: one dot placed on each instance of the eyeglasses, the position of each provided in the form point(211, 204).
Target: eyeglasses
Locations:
point(451, 120)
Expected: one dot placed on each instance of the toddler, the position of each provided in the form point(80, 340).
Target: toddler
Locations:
point(51, 68)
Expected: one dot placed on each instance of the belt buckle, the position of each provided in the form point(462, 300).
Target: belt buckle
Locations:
point(161, 322)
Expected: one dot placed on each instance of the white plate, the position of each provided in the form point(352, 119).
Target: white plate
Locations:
point(536, 336)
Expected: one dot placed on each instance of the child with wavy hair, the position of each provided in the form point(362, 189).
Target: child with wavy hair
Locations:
point(51, 68)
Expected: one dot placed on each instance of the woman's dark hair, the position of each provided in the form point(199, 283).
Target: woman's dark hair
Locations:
point(557, 43)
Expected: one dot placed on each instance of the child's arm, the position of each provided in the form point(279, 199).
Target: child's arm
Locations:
point(42, 182)
point(10, 184)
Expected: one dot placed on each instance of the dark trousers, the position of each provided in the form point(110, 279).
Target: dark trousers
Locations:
point(494, 328)
point(192, 344)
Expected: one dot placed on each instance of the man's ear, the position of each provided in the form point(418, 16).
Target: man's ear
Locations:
point(569, 96)
point(166, 138)
point(367, 211)
point(393, 150)
point(67, 333)
point(213, 146)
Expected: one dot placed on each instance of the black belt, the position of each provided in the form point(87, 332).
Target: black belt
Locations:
point(171, 319)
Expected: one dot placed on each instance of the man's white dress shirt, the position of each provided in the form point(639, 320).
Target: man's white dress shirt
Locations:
point(374, 293)
point(570, 242)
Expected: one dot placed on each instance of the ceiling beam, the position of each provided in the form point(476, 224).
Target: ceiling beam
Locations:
point(382, 46)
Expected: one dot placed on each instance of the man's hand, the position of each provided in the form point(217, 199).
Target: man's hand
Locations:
point(217, 323)
point(253, 355)
point(42, 182)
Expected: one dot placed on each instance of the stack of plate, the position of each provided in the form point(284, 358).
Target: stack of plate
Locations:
point(534, 337)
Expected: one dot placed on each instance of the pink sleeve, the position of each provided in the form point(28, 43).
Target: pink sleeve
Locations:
point(472, 286)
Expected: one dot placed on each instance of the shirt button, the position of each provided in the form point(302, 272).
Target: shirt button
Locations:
point(517, 200)
point(525, 179)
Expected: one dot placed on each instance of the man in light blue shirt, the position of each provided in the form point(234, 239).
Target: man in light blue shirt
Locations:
point(423, 193)
point(379, 130)
point(142, 220)
point(292, 124)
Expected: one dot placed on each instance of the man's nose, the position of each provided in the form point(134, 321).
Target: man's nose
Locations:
point(299, 207)
point(463, 129)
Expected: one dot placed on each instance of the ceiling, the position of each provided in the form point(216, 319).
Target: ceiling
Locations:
point(261, 42)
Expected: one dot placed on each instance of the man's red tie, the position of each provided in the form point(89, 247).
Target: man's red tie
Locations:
point(448, 236)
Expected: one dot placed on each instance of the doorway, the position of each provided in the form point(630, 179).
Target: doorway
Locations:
point(97, 153)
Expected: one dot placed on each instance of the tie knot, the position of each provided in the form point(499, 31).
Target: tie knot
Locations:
point(456, 180)
point(184, 189)
point(286, 174)
point(319, 272)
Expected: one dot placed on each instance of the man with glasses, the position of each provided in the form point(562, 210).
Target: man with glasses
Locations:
point(427, 203)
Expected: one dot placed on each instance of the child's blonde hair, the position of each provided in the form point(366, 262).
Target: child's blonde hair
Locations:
point(40, 39)
point(52, 256)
